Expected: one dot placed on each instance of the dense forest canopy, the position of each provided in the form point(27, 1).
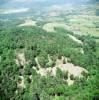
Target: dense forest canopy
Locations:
point(49, 50)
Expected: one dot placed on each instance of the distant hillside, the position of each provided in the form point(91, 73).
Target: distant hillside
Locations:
point(94, 1)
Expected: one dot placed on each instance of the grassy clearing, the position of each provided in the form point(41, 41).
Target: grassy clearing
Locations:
point(84, 24)
point(28, 22)
point(49, 27)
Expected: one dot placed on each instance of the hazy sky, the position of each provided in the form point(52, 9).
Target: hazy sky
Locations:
point(23, 1)
point(31, 2)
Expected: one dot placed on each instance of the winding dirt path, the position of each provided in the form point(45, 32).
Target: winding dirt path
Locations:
point(75, 39)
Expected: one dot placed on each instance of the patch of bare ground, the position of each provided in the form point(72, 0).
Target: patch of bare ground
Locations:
point(21, 61)
point(20, 83)
point(76, 71)
point(28, 22)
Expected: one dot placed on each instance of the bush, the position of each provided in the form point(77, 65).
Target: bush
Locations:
point(42, 61)
point(84, 74)
point(64, 61)
point(65, 75)
point(59, 56)
point(50, 64)
point(59, 73)
point(72, 77)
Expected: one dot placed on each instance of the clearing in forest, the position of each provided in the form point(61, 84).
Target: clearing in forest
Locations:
point(76, 71)
point(28, 22)
point(49, 27)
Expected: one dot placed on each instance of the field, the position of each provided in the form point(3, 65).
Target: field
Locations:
point(82, 20)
